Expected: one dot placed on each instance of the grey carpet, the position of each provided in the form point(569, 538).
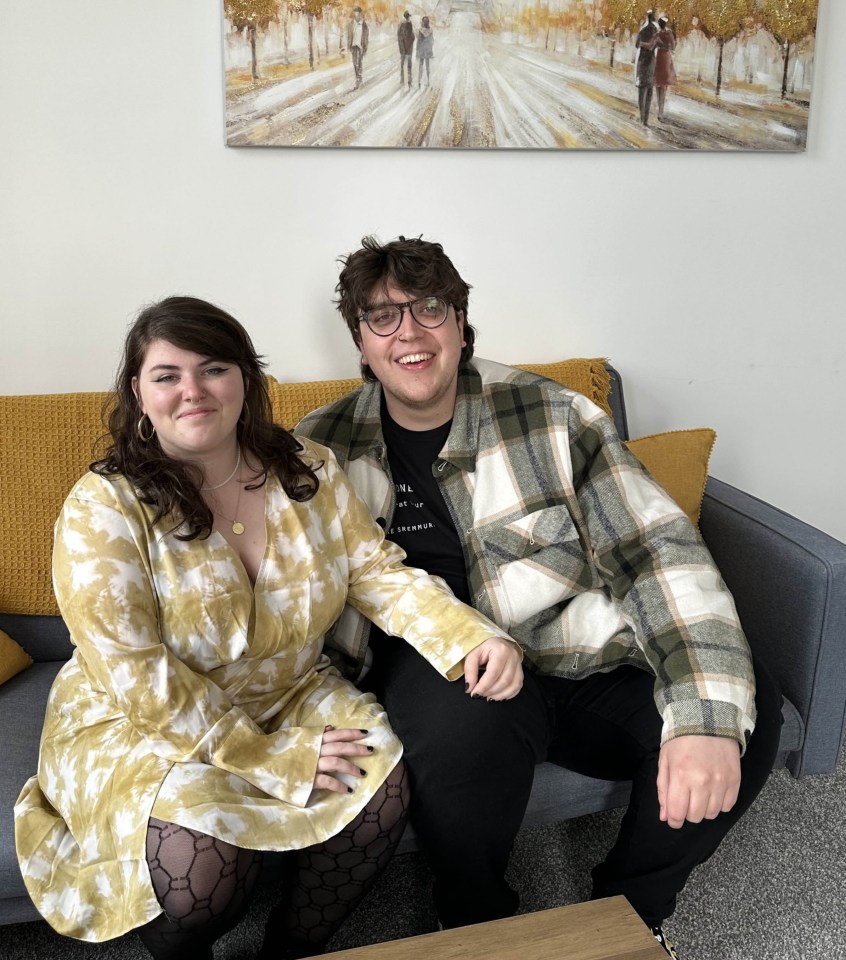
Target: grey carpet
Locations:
point(775, 890)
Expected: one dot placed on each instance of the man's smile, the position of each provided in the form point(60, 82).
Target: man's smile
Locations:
point(415, 358)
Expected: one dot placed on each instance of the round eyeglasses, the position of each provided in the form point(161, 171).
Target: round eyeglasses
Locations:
point(385, 319)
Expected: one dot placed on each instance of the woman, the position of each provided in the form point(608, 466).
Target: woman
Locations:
point(425, 50)
point(198, 566)
point(665, 71)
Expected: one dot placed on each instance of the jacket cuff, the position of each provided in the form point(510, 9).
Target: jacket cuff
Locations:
point(457, 670)
point(709, 718)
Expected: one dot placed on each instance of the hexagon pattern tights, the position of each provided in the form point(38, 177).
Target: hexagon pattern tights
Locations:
point(205, 885)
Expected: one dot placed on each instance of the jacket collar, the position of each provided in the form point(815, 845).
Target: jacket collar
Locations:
point(462, 443)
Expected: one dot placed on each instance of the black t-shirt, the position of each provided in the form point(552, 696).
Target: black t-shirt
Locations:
point(422, 524)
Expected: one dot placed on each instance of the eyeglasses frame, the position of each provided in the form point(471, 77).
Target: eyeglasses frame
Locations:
point(403, 307)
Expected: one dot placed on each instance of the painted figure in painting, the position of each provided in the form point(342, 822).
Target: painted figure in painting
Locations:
point(645, 66)
point(521, 495)
point(665, 71)
point(425, 50)
point(358, 34)
point(405, 39)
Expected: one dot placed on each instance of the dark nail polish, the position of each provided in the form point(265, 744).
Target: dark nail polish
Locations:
point(466, 687)
point(349, 789)
point(363, 731)
point(370, 749)
point(363, 771)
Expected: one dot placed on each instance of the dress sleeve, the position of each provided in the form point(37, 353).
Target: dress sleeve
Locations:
point(403, 601)
point(656, 566)
point(104, 586)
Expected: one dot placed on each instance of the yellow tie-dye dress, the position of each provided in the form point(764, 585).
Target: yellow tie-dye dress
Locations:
point(194, 697)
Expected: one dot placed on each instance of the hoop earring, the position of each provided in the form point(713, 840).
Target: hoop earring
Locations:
point(140, 432)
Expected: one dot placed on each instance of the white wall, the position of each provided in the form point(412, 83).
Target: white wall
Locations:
point(712, 281)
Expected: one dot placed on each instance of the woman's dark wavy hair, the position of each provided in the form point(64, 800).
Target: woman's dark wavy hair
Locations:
point(418, 266)
point(172, 486)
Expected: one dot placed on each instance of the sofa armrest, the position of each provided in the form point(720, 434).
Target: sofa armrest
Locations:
point(789, 584)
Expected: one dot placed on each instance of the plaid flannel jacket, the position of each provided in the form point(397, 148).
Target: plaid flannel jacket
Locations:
point(570, 545)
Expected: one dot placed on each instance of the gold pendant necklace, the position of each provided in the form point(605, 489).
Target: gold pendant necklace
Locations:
point(237, 527)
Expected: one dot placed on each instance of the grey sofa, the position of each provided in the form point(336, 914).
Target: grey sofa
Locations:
point(789, 582)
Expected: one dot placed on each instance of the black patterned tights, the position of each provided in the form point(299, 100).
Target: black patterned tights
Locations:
point(204, 885)
point(331, 877)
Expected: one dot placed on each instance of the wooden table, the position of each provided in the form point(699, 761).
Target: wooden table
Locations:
point(595, 930)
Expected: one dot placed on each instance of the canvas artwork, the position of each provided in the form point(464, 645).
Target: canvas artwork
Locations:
point(519, 74)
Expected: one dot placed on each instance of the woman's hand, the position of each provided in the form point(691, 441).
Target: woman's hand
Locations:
point(494, 670)
point(335, 747)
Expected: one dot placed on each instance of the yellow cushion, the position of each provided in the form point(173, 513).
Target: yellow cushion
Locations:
point(292, 401)
point(679, 462)
point(13, 657)
point(47, 442)
point(587, 376)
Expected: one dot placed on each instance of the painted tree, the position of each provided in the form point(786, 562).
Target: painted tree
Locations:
point(619, 15)
point(248, 17)
point(285, 11)
point(578, 20)
point(789, 21)
point(557, 17)
point(680, 13)
point(553, 19)
point(312, 9)
point(529, 21)
point(723, 20)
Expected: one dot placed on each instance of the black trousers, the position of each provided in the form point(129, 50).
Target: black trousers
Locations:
point(471, 765)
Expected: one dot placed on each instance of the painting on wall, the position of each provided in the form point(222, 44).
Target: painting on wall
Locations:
point(520, 74)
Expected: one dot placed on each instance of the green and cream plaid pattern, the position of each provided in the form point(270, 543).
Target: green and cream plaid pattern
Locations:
point(570, 544)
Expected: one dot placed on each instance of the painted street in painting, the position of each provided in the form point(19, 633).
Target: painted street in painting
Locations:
point(492, 89)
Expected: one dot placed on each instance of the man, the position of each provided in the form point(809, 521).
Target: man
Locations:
point(405, 39)
point(520, 494)
point(645, 66)
point(358, 34)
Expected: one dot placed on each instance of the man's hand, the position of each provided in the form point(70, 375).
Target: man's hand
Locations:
point(698, 778)
point(502, 677)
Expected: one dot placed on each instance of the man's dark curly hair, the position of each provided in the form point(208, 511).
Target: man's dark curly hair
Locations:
point(171, 485)
point(416, 266)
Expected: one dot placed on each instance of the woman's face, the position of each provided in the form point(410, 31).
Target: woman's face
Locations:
point(193, 401)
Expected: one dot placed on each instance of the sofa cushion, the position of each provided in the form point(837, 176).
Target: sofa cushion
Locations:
point(584, 375)
point(47, 442)
point(678, 460)
point(24, 696)
point(292, 401)
point(13, 657)
point(43, 637)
